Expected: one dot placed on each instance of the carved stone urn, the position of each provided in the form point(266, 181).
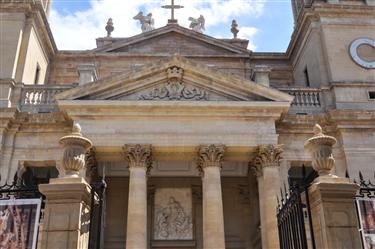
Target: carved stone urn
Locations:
point(320, 148)
point(75, 147)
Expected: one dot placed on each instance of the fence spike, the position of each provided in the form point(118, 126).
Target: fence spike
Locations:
point(361, 177)
point(282, 195)
point(347, 174)
point(286, 192)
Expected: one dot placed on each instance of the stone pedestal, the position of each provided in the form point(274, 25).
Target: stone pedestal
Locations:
point(139, 158)
point(210, 159)
point(266, 167)
point(66, 215)
point(332, 198)
point(261, 75)
point(334, 213)
point(6, 88)
point(67, 211)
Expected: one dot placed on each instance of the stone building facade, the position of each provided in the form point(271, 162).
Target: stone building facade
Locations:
point(195, 135)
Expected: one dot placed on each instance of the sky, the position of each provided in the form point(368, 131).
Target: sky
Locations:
point(267, 24)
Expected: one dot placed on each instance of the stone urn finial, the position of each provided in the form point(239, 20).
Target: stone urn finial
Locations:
point(320, 148)
point(75, 147)
point(234, 29)
point(109, 27)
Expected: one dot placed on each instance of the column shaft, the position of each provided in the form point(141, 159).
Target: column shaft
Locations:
point(136, 234)
point(213, 218)
point(139, 158)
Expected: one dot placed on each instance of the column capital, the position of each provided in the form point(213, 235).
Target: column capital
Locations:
point(138, 155)
point(266, 156)
point(210, 156)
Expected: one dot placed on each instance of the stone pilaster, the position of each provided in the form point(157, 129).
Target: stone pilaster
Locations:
point(332, 198)
point(266, 167)
point(209, 162)
point(67, 211)
point(139, 159)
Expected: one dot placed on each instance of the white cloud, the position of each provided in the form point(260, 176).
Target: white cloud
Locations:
point(248, 33)
point(80, 29)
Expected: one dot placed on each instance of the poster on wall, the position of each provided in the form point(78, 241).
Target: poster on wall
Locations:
point(19, 220)
point(366, 209)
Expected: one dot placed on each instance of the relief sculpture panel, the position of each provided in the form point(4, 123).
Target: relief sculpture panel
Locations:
point(173, 214)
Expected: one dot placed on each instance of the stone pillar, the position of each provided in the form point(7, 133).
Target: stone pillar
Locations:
point(6, 88)
point(209, 162)
point(261, 75)
point(266, 167)
point(332, 198)
point(139, 158)
point(66, 216)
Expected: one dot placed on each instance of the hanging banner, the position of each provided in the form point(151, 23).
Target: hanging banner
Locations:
point(19, 221)
point(366, 207)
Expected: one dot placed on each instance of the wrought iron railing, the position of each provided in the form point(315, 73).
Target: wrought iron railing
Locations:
point(306, 100)
point(365, 204)
point(294, 220)
point(40, 98)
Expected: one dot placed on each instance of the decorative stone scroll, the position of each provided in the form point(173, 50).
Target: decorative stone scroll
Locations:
point(175, 89)
point(173, 214)
point(210, 156)
point(266, 156)
point(75, 147)
point(138, 155)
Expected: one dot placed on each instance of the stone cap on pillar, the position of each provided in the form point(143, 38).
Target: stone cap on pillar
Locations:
point(87, 73)
point(261, 74)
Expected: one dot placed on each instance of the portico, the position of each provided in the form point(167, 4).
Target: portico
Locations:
point(177, 143)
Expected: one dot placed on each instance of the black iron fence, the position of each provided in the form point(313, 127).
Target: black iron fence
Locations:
point(97, 215)
point(365, 204)
point(294, 215)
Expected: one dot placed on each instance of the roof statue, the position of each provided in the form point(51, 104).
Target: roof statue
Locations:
point(234, 29)
point(147, 22)
point(197, 24)
point(172, 7)
point(109, 27)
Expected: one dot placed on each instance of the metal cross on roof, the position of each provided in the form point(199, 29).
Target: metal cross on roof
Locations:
point(172, 6)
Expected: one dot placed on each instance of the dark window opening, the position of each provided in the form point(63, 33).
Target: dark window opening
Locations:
point(37, 74)
point(34, 176)
point(301, 175)
point(307, 78)
point(371, 95)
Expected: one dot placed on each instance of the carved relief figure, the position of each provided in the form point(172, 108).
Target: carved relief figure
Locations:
point(197, 24)
point(147, 22)
point(172, 222)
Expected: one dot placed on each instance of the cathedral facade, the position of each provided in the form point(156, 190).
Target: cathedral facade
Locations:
point(193, 135)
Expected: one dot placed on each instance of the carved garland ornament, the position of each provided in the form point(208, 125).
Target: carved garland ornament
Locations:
point(175, 89)
point(138, 155)
point(266, 156)
point(210, 156)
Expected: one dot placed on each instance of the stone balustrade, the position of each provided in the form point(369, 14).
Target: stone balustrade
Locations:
point(40, 98)
point(306, 100)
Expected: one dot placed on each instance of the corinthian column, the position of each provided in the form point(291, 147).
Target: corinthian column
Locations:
point(209, 162)
point(266, 167)
point(139, 158)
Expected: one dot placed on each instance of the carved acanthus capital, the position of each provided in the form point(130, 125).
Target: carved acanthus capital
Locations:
point(138, 155)
point(266, 156)
point(91, 164)
point(210, 156)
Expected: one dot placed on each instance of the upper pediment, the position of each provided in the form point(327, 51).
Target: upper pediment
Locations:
point(174, 79)
point(171, 40)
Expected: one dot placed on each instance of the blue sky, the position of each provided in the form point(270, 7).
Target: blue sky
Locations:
point(268, 24)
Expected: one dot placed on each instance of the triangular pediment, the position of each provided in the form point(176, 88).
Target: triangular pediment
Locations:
point(171, 40)
point(174, 79)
